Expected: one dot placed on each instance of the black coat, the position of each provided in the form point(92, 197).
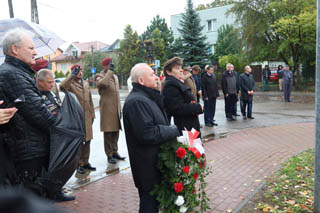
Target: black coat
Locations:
point(266, 73)
point(209, 86)
point(246, 84)
point(29, 127)
point(146, 129)
point(224, 82)
point(180, 103)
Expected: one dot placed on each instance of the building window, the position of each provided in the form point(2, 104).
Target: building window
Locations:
point(211, 23)
point(63, 67)
point(75, 53)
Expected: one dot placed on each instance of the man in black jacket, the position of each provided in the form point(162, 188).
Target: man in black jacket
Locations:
point(146, 129)
point(29, 128)
point(247, 87)
point(230, 89)
point(209, 93)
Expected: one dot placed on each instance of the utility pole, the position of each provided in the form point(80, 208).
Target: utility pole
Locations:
point(34, 12)
point(92, 65)
point(317, 129)
point(10, 8)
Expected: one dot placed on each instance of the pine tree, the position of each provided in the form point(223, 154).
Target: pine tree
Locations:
point(158, 47)
point(196, 49)
point(130, 51)
point(165, 33)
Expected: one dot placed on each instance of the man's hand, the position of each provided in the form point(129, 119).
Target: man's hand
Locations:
point(199, 92)
point(6, 114)
point(206, 99)
point(227, 95)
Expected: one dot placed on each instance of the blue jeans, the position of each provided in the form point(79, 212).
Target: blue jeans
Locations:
point(246, 104)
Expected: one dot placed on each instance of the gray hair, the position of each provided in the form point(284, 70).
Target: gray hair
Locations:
point(246, 67)
point(43, 73)
point(228, 64)
point(13, 37)
point(137, 70)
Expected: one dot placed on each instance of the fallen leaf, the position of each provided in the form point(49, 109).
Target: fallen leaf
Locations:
point(292, 202)
point(229, 210)
point(299, 168)
point(267, 209)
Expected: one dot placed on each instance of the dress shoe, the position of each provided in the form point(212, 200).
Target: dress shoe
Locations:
point(112, 160)
point(214, 124)
point(244, 117)
point(61, 196)
point(250, 117)
point(209, 125)
point(230, 119)
point(81, 170)
point(236, 115)
point(89, 167)
point(118, 157)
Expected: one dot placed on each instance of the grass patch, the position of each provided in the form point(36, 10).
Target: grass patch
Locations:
point(288, 190)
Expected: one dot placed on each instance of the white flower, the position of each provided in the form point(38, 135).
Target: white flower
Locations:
point(183, 209)
point(179, 201)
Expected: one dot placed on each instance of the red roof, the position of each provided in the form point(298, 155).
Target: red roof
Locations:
point(86, 47)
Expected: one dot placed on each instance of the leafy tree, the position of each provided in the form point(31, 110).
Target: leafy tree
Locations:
point(87, 62)
point(215, 3)
point(158, 47)
point(130, 51)
point(195, 49)
point(228, 42)
point(278, 29)
point(237, 60)
point(165, 33)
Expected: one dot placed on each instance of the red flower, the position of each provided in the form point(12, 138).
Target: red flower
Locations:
point(195, 176)
point(186, 169)
point(178, 187)
point(200, 165)
point(195, 151)
point(181, 152)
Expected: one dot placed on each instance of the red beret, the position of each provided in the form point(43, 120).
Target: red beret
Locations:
point(74, 66)
point(106, 61)
point(40, 64)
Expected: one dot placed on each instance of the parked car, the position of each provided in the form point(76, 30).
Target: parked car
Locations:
point(274, 75)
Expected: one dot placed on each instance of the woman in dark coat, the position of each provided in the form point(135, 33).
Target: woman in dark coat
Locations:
point(178, 99)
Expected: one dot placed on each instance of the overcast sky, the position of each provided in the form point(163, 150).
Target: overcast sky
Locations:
point(90, 20)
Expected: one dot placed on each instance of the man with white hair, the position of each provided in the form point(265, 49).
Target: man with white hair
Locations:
point(29, 127)
point(146, 129)
point(45, 83)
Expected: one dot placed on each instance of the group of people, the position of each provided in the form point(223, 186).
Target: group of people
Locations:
point(30, 103)
point(285, 78)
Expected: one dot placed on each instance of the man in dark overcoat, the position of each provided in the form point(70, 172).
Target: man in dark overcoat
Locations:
point(146, 129)
point(247, 87)
point(209, 93)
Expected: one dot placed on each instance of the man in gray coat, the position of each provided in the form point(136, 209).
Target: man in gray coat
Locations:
point(287, 77)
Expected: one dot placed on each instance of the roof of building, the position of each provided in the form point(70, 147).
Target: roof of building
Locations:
point(86, 46)
point(111, 47)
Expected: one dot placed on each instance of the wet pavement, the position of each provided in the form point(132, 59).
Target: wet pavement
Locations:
point(269, 109)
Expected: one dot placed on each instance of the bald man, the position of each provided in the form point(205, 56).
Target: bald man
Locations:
point(146, 129)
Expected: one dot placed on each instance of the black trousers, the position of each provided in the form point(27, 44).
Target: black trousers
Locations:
point(148, 203)
point(230, 102)
point(209, 110)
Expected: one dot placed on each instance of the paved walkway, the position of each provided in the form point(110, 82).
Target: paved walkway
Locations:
point(240, 163)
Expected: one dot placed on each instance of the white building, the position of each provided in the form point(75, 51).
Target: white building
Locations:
point(212, 19)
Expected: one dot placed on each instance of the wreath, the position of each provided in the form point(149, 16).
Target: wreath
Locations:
point(182, 164)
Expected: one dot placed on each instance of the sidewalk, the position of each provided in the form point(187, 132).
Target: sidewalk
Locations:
point(240, 164)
